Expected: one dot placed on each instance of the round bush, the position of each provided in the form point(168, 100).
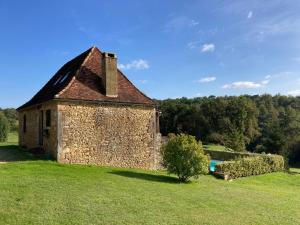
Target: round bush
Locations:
point(184, 156)
point(4, 128)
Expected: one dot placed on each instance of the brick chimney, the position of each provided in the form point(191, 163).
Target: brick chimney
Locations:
point(110, 71)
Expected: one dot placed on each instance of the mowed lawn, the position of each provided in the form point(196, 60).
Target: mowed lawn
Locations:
point(45, 192)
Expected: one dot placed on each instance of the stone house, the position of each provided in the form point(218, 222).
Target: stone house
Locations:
point(90, 113)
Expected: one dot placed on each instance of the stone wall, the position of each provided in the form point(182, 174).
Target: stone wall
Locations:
point(30, 138)
point(109, 135)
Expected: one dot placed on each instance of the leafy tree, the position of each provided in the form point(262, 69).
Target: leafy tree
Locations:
point(12, 117)
point(4, 128)
point(184, 156)
point(261, 123)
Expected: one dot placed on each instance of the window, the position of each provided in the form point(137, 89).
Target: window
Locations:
point(48, 118)
point(64, 77)
point(24, 123)
point(56, 82)
point(61, 78)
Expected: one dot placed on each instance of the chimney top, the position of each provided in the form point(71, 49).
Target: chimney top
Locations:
point(110, 55)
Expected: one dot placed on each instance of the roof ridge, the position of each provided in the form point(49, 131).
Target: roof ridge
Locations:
point(76, 72)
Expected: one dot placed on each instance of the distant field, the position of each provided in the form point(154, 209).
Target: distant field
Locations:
point(12, 140)
point(45, 192)
point(217, 148)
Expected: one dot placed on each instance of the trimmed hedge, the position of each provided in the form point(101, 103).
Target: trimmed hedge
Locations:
point(249, 166)
point(226, 155)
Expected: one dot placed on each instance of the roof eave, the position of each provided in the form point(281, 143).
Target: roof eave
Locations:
point(24, 107)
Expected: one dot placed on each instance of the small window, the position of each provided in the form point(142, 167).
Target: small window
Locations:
point(24, 123)
point(61, 78)
point(48, 118)
point(64, 77)
point(56, 82)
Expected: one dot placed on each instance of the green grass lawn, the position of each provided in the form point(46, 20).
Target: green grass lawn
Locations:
point(45, 192)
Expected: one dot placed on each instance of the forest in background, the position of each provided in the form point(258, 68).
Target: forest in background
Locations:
point(259, 123)
point(11, 116)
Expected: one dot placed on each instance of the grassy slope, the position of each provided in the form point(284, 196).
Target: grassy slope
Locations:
point(216, 147)
point(12, 140)
point(44, 192)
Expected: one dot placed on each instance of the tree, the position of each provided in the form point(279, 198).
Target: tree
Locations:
point(184, 156)
point(4, 128)
point(260, 123)
point(12, 117)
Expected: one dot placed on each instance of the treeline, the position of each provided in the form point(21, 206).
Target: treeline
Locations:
point(259, 123)
point(8, 122)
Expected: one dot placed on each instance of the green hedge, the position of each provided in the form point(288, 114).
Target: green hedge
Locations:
point(249, 166)
point(226, 155)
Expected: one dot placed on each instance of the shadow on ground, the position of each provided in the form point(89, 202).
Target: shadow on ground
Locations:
point(146, 176)
point(12, 153)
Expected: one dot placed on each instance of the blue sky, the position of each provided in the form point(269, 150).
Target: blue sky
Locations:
point(169, 49)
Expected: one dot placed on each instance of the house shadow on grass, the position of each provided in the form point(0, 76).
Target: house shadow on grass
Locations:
point(146, 176)
point(12, 153)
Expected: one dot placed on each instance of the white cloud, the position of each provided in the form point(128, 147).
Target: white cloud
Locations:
point(294, 92)
point(208, 48)
point(268, 77)
point(280, 24)
point(144, 81)
point(264, 82)
point(251, 84)
point(138, 64)
point(192, 44)
point(242, 85)
point(274, 18)
point(177, 24)
point(193, 23)
point(206, 79)
point(250, 14)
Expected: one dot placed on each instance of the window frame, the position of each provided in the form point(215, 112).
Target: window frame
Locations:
point(48, 118)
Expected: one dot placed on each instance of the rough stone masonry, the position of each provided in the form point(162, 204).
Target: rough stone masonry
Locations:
point(90, 113)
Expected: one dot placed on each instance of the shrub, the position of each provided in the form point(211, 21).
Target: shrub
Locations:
point(253, 165)
point(184, 156)
point(4, 128)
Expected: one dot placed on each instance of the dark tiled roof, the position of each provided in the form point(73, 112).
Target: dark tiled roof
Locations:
point(81, 79)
